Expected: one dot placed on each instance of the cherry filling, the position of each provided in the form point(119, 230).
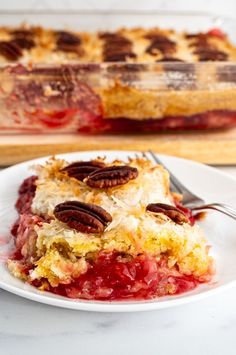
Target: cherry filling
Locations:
point(26, 195)
point(53, 119)
point(207, 120)
point(76, 120)
point(114, 277)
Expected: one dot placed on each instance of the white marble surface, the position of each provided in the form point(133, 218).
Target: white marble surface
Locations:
point(206, 327)
point(226, 7)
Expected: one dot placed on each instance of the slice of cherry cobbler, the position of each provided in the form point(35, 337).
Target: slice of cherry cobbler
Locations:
point(106, 231)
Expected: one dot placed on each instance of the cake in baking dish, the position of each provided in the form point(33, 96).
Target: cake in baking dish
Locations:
point(106, 231)
point(129, 80)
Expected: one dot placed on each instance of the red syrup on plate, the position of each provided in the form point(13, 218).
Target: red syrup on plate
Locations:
point(26, 194)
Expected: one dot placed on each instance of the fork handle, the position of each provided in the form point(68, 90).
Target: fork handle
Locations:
point(220, 207)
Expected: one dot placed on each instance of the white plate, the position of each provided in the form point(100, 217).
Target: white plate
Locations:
point(220, 230)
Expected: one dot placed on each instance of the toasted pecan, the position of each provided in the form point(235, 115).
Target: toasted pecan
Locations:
point(160, 43)
point(111, 176)
point(81, 169)
point(10, 50)
point(84, 217)
point(24, 38)
point(117, 48)
point(174, 213)
point(68, 42)
point(24, 43)
point(210, 54)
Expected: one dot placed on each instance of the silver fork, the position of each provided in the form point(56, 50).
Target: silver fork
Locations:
point(191, 200)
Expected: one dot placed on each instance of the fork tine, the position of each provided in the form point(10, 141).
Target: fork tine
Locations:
point(189, 198)
point(157, 160)
point(144, 154)
point(220, 207)
point(174, 182)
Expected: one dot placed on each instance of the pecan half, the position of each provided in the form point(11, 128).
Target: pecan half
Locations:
point(201, 43)
point(192, 35)
point(23, 38)
point(81, 169)
point(107, 35)
point(24, 43)
point(119, 57)
point(64, 37)
point(160, 43)
point(10, 50)
point(68, 42)
point(84, 217)
point(174, 213)
point(210, 54)
point(22, 32)
point(198, 37)
point(116, 47)
point(111, 176)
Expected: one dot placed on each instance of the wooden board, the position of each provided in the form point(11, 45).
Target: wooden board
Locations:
point(211, 148)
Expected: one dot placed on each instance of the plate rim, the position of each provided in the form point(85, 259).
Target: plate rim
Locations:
point(100, 306)
point(112, 307)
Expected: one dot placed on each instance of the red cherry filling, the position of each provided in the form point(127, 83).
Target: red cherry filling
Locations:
point(26, 195)
point(114, 277)
point(202, 121)
point(216, 32)
point(53, 119)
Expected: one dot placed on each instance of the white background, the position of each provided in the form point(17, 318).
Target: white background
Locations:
point(221, 7)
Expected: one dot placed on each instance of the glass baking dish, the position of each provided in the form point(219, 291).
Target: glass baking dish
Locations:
point(118, 97)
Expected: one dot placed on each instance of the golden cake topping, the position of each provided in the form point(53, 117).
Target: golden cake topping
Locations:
point(131, 45)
